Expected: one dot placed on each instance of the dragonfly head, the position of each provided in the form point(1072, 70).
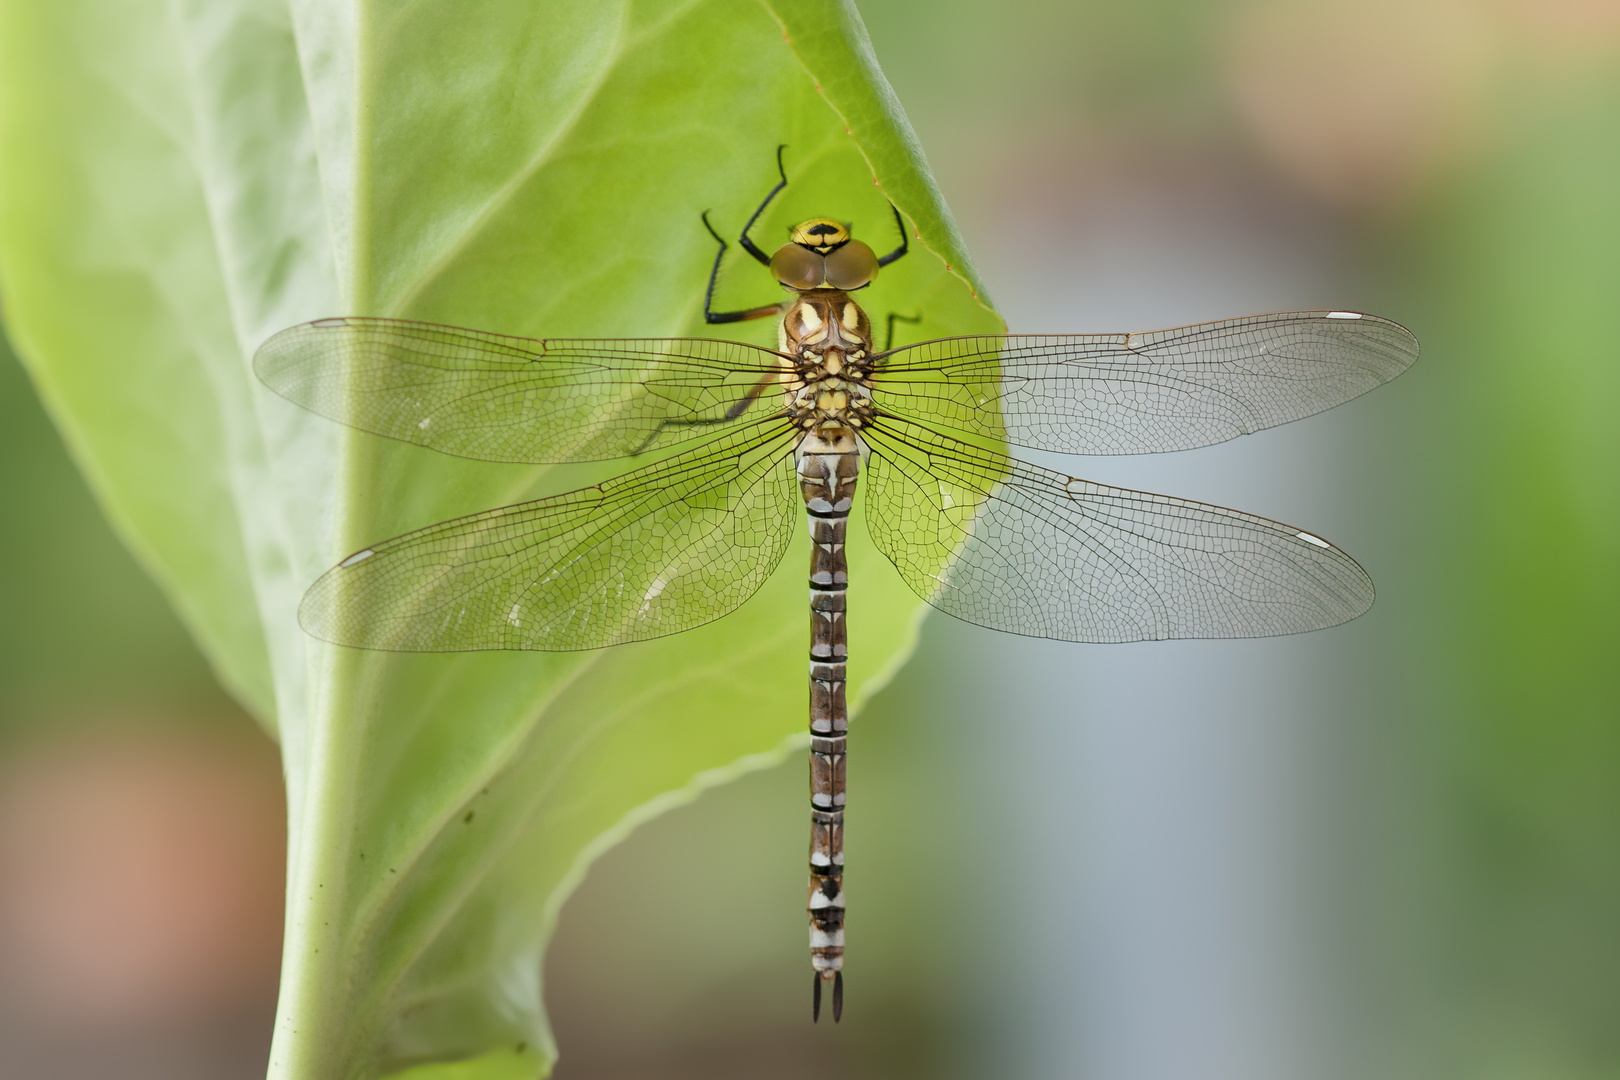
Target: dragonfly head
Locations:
point(821, 235)
point(823, 255)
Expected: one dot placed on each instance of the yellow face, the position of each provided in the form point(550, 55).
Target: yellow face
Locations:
point(820, 235)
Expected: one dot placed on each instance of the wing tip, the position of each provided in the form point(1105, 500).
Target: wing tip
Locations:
point(1407, 342)
point(317, 610)
point(272, 359)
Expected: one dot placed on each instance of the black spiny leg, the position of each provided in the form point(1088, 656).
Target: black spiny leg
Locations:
point(736, 410)
point(900, 224)
point(894, 317)
point(712, 316)
point(815, 999)
point(709, 314)
point(748, 245)
point(838, 997)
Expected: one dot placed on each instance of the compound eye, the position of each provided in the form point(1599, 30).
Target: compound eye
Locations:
point(851, 267)
point(797, 268)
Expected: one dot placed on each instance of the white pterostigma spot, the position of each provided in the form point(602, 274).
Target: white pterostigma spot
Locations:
point(328, 323)
point(1317, 540)
point(1344, 314)
point(358, 557)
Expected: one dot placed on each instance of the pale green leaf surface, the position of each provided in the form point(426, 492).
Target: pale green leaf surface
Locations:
point(181, 179)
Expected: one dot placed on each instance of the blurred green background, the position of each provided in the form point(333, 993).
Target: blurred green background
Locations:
point(1390, 849)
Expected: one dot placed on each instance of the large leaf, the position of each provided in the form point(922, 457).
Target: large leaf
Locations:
point(182, 178)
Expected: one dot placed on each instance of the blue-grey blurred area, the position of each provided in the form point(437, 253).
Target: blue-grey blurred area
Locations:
point(1390, 849)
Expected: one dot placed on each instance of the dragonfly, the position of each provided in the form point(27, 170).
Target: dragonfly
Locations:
point(753, 434)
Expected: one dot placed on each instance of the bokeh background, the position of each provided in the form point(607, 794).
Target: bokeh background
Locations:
point(1391, 849)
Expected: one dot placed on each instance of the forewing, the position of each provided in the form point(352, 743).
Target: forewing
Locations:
point(498, 398)
point(653, 552)
point(1145, 392)
point(1015, 547)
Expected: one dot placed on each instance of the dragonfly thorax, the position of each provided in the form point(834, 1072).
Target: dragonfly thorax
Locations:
point(828, 338)
point(821, 322)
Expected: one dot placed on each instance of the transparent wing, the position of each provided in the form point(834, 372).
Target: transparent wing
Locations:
point(1015, 547)
point(498, 398)
point(653, 552)
point(1146, 392)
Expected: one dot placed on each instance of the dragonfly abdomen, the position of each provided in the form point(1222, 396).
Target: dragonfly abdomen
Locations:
point(828, 465)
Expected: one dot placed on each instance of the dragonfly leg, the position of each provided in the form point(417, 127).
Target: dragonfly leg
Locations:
point(748, 245)
point(730, 414)
point(709, 314)
point(712, 316)
point(905, 241)
point(894, 317)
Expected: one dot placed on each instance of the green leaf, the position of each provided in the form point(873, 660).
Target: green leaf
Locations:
point(181, 179)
